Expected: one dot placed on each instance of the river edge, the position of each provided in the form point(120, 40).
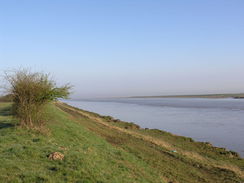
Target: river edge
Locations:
point(136, 127)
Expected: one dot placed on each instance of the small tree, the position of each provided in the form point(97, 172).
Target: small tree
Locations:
point(30, 92)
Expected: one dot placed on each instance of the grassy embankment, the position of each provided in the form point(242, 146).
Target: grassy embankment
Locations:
point(101, 149)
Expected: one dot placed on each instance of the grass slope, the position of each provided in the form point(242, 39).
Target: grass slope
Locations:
point(101, 149)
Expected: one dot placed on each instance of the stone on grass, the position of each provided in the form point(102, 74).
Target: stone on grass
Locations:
point(56, 156)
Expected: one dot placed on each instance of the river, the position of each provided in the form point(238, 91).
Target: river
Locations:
point(218, 121)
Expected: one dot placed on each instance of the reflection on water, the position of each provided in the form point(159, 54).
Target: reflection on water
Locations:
point(219, 121)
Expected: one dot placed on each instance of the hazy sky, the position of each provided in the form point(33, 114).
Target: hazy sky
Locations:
point(127, 47)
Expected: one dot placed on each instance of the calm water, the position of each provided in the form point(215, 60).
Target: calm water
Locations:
point(219, 121)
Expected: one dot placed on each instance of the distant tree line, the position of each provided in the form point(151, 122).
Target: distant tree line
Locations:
point(6, 98)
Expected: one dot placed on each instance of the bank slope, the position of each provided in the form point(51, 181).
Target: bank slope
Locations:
point(101, 149)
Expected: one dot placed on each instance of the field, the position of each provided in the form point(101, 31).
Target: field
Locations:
point(101, 149)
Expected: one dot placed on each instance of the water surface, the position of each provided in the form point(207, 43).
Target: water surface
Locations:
point(219, 121)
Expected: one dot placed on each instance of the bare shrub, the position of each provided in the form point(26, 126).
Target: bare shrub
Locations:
point(30, 92)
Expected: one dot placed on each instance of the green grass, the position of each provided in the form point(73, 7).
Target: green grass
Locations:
point(98, 153)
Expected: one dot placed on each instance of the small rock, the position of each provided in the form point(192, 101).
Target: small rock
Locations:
point(56, 156)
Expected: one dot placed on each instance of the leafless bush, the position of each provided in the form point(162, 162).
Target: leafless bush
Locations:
point(31, 91)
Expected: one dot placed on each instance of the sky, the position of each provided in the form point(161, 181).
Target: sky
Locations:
point(116, 48)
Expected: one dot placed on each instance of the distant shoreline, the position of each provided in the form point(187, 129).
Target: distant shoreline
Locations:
point(235, 96)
